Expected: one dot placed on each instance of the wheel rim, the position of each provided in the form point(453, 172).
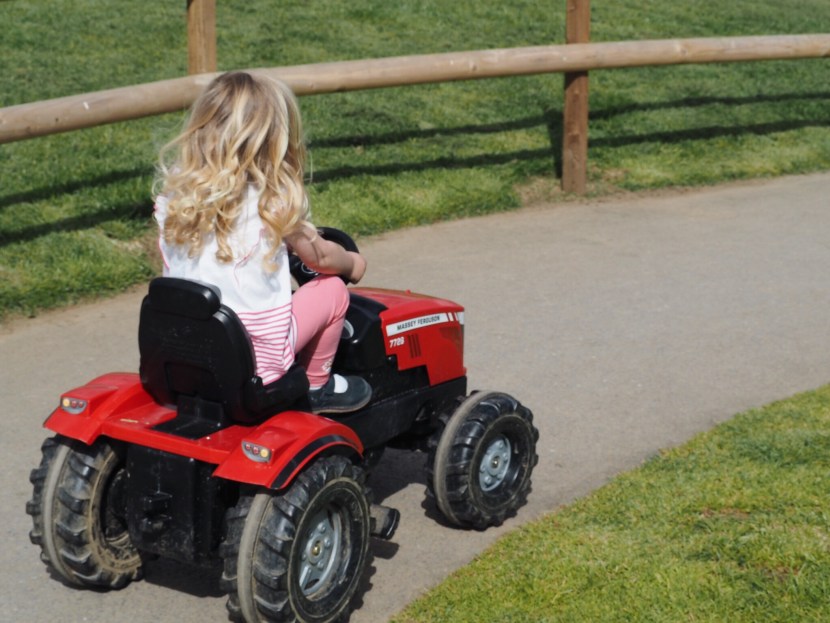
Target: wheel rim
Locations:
point(322, 552)
point(495, 463)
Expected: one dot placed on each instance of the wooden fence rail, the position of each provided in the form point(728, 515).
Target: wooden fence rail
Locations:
point(25, 121)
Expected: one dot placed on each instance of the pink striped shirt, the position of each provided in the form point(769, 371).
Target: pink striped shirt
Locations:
point(270, 332)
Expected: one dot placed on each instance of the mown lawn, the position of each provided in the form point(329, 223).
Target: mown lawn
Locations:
point(733, 526)
point(74, 208)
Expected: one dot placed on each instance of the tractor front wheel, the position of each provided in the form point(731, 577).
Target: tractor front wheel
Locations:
point(480, 462)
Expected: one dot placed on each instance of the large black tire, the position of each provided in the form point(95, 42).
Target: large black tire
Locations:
point(301, 555)
point(480, 462)
point(78, 511)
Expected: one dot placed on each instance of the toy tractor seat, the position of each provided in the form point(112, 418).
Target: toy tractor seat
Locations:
point(197, 356)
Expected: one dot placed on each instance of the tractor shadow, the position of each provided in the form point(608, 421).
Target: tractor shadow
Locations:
point(399, 470)
point(200, 582)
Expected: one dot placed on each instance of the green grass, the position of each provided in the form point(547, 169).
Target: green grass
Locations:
point(733, 526)
point(74, 208)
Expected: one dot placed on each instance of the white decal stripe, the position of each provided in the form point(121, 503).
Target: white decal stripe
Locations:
point(416, 323)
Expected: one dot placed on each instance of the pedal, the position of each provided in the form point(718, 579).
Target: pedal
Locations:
point(385, 521)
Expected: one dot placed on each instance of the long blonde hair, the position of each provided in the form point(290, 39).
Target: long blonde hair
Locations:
point(243, 130)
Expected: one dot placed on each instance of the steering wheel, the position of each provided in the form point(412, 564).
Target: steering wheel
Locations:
point(302, 273)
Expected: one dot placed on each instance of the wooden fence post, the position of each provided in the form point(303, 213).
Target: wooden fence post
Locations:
point(575, 116)
point(201, 36)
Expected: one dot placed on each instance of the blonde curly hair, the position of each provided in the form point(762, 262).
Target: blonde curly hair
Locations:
point(243, 131)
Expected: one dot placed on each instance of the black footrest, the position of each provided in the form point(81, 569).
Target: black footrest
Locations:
point(385, 521)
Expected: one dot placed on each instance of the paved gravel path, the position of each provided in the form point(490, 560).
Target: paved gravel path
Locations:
point(626, 325)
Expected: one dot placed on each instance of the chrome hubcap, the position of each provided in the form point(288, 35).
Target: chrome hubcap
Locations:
point(321, 553)
point(495, 463)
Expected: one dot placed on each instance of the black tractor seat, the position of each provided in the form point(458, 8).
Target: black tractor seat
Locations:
point(197, 357)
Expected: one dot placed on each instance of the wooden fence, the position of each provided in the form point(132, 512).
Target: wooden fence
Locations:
point(91, 109)
point(575, 109)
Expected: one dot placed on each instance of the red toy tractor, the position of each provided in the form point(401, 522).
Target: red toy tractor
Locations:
point(194, 459)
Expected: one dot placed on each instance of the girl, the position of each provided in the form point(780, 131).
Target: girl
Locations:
point(231, 202)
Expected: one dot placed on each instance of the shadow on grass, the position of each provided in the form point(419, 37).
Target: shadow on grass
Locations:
point(40, 194)
point(128, 211)
point(448, 162)
point(365, 140)
point(710, 132)
point(550, 120)
point(700, 102)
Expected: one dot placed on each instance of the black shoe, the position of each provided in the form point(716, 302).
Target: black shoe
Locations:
point(340, 394)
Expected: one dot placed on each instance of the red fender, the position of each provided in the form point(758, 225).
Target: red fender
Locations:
point(274, 452)
point(118, 407)
point(83, 411)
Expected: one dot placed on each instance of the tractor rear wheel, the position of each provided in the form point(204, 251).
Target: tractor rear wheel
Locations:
point(300, 555)
point(78, 511)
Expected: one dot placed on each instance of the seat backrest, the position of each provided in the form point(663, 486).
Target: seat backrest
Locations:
point(193, 347)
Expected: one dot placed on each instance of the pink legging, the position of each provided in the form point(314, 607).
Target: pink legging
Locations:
point(319, 308)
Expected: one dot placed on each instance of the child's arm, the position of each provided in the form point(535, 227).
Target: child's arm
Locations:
point(326, 257)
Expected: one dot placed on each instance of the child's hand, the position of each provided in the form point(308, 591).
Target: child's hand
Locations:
point(358, 267)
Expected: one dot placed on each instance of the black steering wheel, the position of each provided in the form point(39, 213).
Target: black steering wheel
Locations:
point(302, 273)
